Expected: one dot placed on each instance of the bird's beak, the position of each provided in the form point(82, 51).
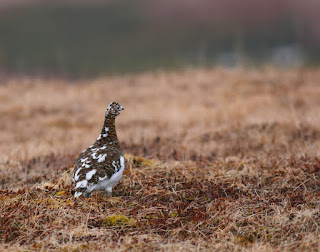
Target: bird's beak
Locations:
point(122, 108)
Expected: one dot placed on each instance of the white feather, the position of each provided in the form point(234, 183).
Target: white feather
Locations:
point(105, 182)
point(90, 174)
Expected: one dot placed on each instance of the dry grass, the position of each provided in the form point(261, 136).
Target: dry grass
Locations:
point(216, 160)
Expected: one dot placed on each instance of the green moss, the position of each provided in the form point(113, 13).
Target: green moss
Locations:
point(119, 221)
point(173, 214)
point(140, 161)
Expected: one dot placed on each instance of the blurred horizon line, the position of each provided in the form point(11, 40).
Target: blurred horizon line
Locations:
point(97, 37)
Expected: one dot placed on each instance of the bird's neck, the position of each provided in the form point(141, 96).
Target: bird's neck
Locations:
point(108, 135)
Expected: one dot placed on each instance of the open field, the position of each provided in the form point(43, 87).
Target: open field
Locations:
point(216, 160)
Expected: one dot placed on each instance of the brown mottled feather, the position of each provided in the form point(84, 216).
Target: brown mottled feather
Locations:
point(102, 159)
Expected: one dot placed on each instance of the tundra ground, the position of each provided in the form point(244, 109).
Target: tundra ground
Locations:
point(216, 159)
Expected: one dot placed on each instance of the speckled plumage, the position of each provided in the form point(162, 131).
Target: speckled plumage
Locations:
point(100, 166)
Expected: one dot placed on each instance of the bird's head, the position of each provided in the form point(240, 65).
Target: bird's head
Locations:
point(114, 109)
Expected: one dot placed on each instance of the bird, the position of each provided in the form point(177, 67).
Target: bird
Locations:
point(101, 165)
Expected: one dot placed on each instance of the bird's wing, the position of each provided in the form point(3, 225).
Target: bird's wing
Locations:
point(97, 163)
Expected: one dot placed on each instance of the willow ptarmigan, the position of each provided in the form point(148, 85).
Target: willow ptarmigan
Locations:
point(100, 166)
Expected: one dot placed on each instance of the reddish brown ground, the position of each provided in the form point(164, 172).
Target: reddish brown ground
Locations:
point(216, 160)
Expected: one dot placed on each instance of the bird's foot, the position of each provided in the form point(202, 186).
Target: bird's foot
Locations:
point(109, 192)
point(87, 194)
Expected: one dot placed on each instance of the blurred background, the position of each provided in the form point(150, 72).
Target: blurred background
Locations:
point(89, 38)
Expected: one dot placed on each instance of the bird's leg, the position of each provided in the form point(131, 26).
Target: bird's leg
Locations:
point(109, 191)
point(87, 194)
